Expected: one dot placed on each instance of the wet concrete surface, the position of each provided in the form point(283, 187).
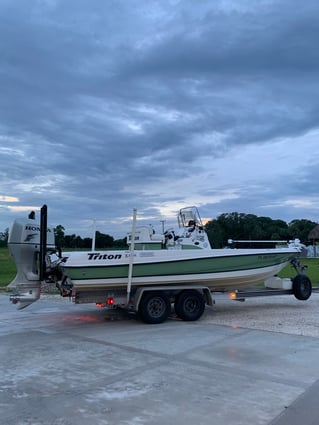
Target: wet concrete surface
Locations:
point(66, 364)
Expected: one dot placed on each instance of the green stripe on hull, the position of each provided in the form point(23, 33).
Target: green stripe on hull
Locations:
point(181, 267)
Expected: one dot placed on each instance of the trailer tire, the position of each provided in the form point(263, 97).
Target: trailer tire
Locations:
point(154, 308)
point(190, 305)
point(301, 287)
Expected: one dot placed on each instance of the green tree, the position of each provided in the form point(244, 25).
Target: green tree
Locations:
point(120, 243)
point(216, 233)
point(240, 226)
point(59, 235)
point(4, 238)
point(103, 241)
point(70, 241)
point(300, 229)
point(87, 243)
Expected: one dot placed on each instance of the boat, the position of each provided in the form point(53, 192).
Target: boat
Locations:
point(181, 256)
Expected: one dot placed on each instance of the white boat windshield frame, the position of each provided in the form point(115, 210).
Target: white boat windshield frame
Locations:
point(189, 216)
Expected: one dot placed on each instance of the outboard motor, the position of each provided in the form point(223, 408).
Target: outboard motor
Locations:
point(28, 243)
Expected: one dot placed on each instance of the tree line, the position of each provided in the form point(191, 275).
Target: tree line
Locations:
point(237, 226)
point(74, 241)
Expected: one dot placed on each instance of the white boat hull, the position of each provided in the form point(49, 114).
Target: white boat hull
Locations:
point(219, 270)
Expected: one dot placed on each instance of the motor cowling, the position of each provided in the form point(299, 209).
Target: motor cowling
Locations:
point(24, 246)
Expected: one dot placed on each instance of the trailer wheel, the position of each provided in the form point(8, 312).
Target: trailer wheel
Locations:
point(155, 307)
point(190, 305)
point(301, 287)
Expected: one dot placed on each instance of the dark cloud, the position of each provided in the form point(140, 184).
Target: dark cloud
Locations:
point(109, 105)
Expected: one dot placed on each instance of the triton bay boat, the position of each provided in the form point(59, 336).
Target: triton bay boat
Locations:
point(175, 258)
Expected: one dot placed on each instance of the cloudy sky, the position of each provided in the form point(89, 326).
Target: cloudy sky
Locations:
point(110, 105)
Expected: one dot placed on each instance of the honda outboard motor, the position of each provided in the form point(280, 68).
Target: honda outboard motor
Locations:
point(28, 242)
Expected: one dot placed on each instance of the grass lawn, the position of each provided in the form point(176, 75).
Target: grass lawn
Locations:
point(312, 270)
point(8, 269)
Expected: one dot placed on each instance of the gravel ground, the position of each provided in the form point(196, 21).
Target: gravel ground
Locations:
point(283, 314)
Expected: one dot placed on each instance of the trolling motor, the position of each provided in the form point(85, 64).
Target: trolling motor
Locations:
point(29, 244)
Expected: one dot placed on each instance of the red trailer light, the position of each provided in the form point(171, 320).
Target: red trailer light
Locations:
point(110, 301)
